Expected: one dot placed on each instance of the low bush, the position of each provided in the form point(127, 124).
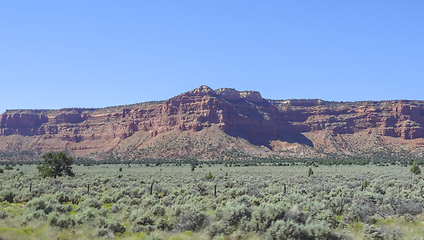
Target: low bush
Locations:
point(135, 214)
point(61, 221)
point(34, 215)
point(163, 224)
point(263, 216)
point(282, 230)
point(371, 232)
point(115, 226)
point(7, 195)
point(191, 220)
point(158, 210)
point(40, 204)
point(89, 202)
point(3, 215)
point(62, 197)
point(142, 223)
point(86, 215)
point(320, 230)
point(412, 207)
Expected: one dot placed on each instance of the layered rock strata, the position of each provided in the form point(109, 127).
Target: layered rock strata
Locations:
point(252, 125)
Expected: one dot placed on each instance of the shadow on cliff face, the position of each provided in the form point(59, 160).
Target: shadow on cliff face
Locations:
point(295, 137)
point(265, 139)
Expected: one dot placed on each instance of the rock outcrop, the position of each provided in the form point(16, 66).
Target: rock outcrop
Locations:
point(210, 124)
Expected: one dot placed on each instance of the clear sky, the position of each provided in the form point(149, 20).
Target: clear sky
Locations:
point(59, 54)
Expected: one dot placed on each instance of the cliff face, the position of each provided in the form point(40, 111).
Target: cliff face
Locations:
point(215, 124)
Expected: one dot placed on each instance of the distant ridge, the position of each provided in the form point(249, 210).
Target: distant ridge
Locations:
point(219, 124)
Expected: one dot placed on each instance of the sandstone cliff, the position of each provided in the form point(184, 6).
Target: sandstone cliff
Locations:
point(222, 123)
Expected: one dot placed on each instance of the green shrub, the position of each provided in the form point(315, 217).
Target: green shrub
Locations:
point(282, 230)
point(319, 230)
point(215, 229)
point(100, 222)
point(104, 232)
point(24, 195)
point(61, 221)
point(34, 215)
point(365, 184)
point(62, 197)
point(115, 226)
point(117, 207)
point(408, 217)
point(6, 195)
point(176, 210)
point(371, 220)
point(209, 176)
point(191, 220)
point(415, 169)
point(76, 198)
point(135, 214)
point(86, 215)
point(296, 215)
point(263, 216)
point(154, 237)
point(230, 216)
point(89, 202)
point(158, 210)
point(163, 225)
point(41, 204)
point(412, 207)
point(310, 172)
point(118, 195)
point(3, 215)
point(142, 224)
point(106, 199)
point(136, 192)
point(320, 211)
point(372, 233)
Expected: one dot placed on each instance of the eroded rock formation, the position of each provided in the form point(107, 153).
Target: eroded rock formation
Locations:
point(212, 124)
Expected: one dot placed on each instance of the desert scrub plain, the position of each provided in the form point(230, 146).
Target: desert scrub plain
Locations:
point(255, 202)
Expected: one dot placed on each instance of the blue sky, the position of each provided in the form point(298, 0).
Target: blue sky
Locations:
point(59, 54)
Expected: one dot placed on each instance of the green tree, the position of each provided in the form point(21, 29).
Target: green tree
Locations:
point(310, 172)
point(364, 185)
point(56, 164)
point(209, 176)
point(415, 169)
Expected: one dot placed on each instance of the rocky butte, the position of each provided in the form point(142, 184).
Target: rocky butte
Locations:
point(219, 124)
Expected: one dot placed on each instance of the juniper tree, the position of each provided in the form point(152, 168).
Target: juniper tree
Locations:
point(415, 169)
point(364, 185)
point(56, 164)
point(209, 176)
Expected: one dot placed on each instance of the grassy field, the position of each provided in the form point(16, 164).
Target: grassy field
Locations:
point(261, 202)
